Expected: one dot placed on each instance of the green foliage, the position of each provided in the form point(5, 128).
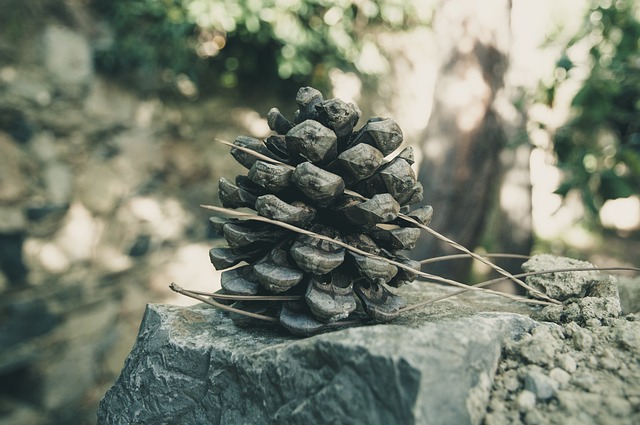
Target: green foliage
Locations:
point(599, 147)
point(250, 41)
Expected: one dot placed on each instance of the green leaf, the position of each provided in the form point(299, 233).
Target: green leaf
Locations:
point(564, 188)
point(613, 186)
point(564, 62)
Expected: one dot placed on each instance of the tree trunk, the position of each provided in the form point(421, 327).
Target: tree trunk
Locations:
point(510, 225)
point(460, 169)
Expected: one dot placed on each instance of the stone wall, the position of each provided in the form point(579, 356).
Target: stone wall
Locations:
point(100, 189)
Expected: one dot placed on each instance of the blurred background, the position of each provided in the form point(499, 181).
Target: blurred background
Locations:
point(524, 117)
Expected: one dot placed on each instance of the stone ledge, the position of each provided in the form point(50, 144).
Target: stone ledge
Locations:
point(192, 365)
point(471, 359)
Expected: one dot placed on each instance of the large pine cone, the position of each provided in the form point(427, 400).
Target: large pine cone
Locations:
point(320, 162)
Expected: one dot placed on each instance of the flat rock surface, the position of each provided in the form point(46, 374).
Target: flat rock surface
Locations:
point(192, 365)
point(471, 359)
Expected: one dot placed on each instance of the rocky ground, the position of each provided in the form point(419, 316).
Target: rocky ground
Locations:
point(570, 374)
point(580, 365)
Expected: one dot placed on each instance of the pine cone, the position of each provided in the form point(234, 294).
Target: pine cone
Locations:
point(333, 181)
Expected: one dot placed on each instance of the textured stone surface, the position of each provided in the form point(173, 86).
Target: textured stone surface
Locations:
point(192, 365)
point(466, 360)
point(67, 55)
point(592, 377)
point(565, 285)
point(629, 290)
point(585, 295)
point(583, 369)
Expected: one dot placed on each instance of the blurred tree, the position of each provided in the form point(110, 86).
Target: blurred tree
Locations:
point(464, 137)
point(249, 43)
point(598, 148)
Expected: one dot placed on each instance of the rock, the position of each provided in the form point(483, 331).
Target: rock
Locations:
point(599, 308)
point(109, 104)
point(100, 187)
point(582, 338)
point(11, 258)
point(562, 285)
point(13, 219)
point(526, 401)
point(67, 55)
point(585, 368)
point(559, 286)
point(585, 294)
point(16, 413)
point(595, 383)
point(628, 335)
point(629, 290)
point(30, 87)
point(567, 363)
point(608, 360)
point(541, 348)
point(43, 147)
point(58, 179)
point(192, 365)
point(13, 185)
point(540, 384)
point(559, 375)
point(23, 319)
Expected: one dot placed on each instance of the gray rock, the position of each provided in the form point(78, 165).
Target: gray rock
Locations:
point(628, 335)
point(540, 384)
point(18, 413)
point(110, 105)
point(67, 55)
point(585, 294)
point(23, 319)
point(58, 178)
point(594, 378)
point(559, 375)
point(564, 285)
point(13, 162)
point(29, 87)
point(192, 365)
point(43, 147)
point(541, 348)
point(12, 219)
point(567, 363)
point(629, 289)
point(582, 338)
point(526, 401)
